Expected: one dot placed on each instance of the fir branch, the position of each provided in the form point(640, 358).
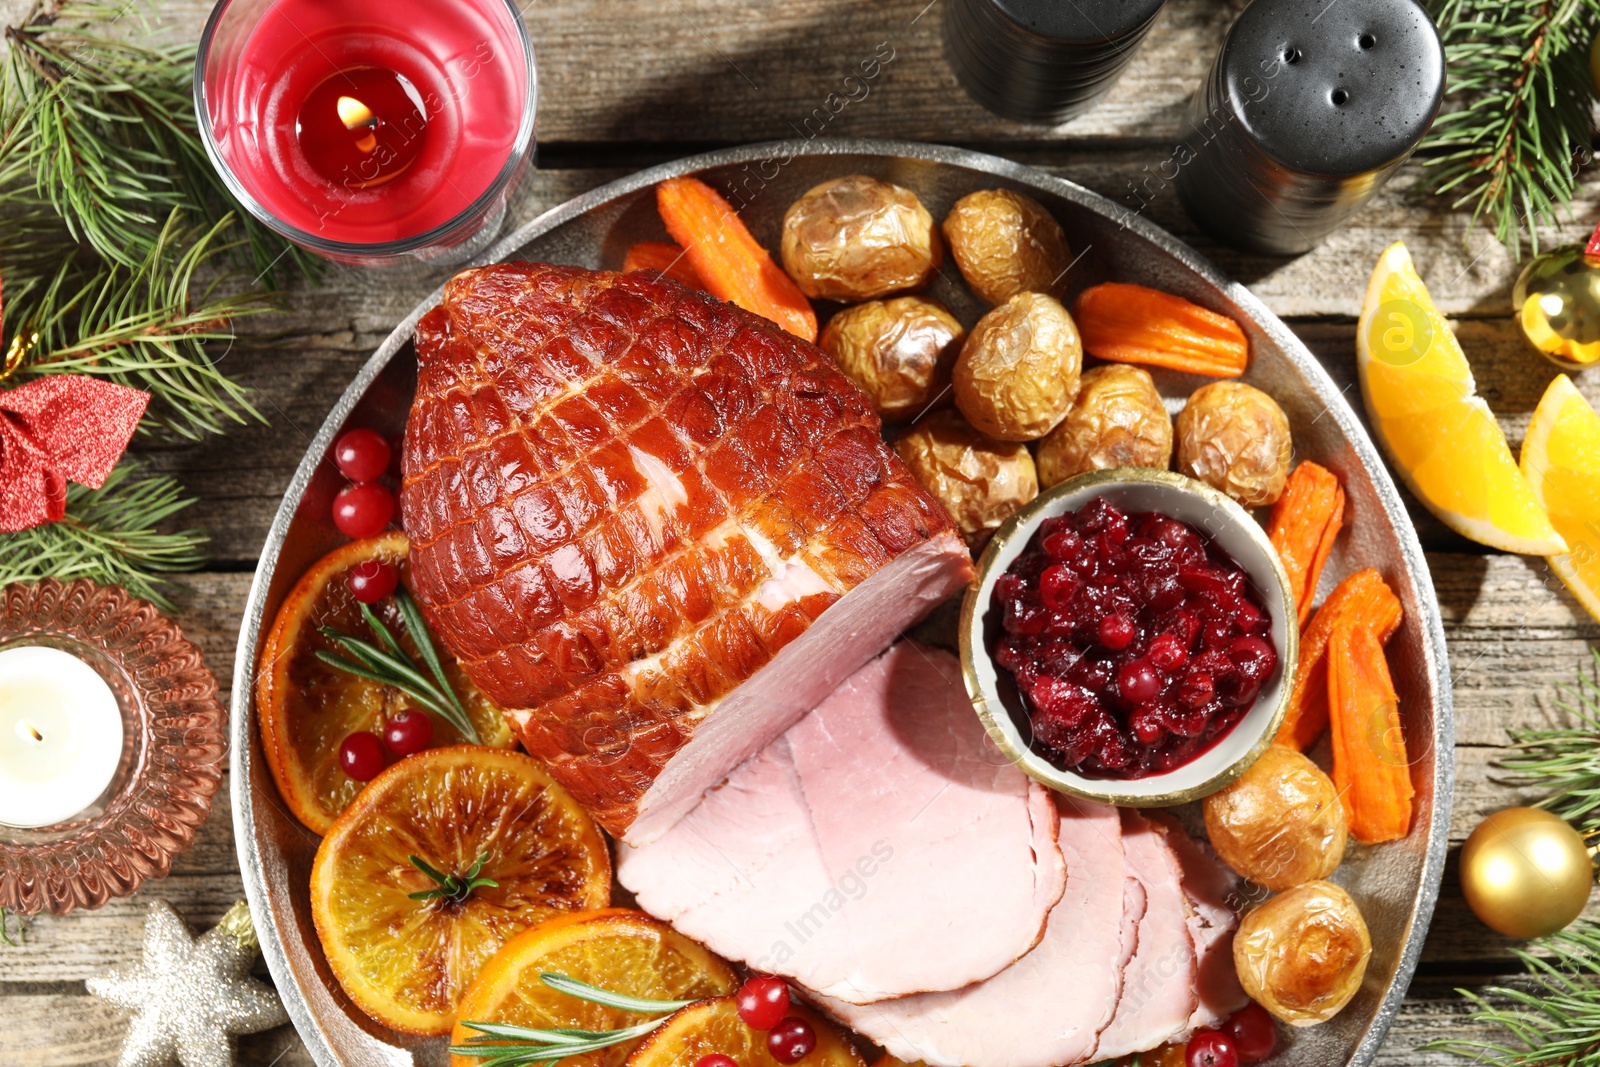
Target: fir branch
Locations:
point(104, 128)
point(1556, 1021)
point(114, 535)
point(1566, 760)
point(1519, 110)
point(141, 327)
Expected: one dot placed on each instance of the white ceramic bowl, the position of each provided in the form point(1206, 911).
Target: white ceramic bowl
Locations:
point(1231, 528)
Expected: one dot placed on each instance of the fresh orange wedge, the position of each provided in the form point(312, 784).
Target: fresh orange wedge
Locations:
point(307, 707)
point(714, 1026)
point(617, 949)
point(1561, 460)
point(468, 812)
point(1425, 411)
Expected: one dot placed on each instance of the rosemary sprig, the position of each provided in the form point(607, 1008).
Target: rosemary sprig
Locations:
point(451, 888)
point(5, 929)
point(529, 1046)
point(390, 665)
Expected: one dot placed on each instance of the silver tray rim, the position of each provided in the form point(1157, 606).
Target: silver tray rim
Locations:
point(242, 695)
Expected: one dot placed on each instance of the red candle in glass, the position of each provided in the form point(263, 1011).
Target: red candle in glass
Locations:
point(368, 129)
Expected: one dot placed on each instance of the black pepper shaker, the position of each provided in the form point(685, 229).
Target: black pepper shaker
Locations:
point(1309, 108)
point(1042, 60)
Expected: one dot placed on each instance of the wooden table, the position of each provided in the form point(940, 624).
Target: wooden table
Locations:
point(627, 83)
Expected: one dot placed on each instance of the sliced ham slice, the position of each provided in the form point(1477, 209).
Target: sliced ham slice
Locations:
point(1158, 985)
point(1211, 889)
point(881, 847)
point(1049, 1007)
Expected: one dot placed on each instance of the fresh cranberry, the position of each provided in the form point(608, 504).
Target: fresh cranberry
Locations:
point(1167, 652)
point(361, 756)
point(1138, 681)
point(362, 509)
point(1116, 631)
point(763, 1002)
point(715, 1059)
point(361, 455)
point(372, 579)
point(407, 732)
point(791, 1040)
point(1211, 1048)
point(1253, 1032)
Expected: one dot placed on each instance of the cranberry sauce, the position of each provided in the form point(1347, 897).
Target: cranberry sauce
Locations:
point(1135, 642)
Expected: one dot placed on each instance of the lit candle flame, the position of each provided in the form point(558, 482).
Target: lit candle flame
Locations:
point(29, 732)
point(358, 116)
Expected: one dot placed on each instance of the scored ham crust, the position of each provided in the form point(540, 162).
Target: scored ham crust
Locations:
point(630, 506)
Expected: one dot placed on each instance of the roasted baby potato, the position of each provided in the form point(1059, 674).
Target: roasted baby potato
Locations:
point(980, 481)
point(1117, 420)
point(1302, 954)
point(1006, 243)
point(856, 238)
point(898, 351)
point(1281, 824)
point(1235, 438)
point(1018, 371)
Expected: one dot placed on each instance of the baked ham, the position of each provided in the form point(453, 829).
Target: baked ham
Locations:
point(881, 847)
point(1050, 1006)
point(655, 528)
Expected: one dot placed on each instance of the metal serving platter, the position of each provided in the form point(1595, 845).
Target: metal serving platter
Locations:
point(1396, 884)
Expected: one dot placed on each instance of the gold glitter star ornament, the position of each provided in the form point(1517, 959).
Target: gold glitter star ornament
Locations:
point(189, 995)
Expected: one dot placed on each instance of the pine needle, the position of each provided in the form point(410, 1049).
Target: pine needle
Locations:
point(1566, 760)
point(141, 327)
point(1553, 1017)
point(1518, 111)
point(115, 535)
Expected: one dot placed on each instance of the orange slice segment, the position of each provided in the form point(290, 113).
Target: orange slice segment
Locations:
point(624, 951)
point(407, 962)
point(1561, 460)
point(714, 1026)
point(1441, 437)
point(307, 708)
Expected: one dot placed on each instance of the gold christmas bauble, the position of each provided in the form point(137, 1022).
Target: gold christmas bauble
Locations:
point(1526, 872)
point(1557, 305)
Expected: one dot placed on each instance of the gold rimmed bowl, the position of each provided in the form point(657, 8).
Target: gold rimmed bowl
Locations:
point(1230, 528)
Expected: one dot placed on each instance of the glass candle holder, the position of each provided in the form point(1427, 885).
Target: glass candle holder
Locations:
point(369, 131)
point(159, 778)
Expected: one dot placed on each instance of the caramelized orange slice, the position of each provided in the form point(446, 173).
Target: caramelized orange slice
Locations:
point(617, 949)
point(307, 707)
point(478, 816)
point(714, 1026)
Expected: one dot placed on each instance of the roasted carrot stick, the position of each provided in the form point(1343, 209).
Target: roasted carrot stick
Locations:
point(1363, 599)
point(666, 257)
point(1305, 521)
point(1132, 324)
point(1370, 767)
point(733, 266)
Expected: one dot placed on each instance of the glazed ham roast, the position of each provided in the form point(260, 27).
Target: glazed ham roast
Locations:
point(668, 538)
point(655, 528)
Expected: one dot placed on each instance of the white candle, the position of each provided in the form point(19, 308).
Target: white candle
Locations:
point(60, 736)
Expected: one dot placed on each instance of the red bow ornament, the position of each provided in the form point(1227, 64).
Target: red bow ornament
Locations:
point(61, 428)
